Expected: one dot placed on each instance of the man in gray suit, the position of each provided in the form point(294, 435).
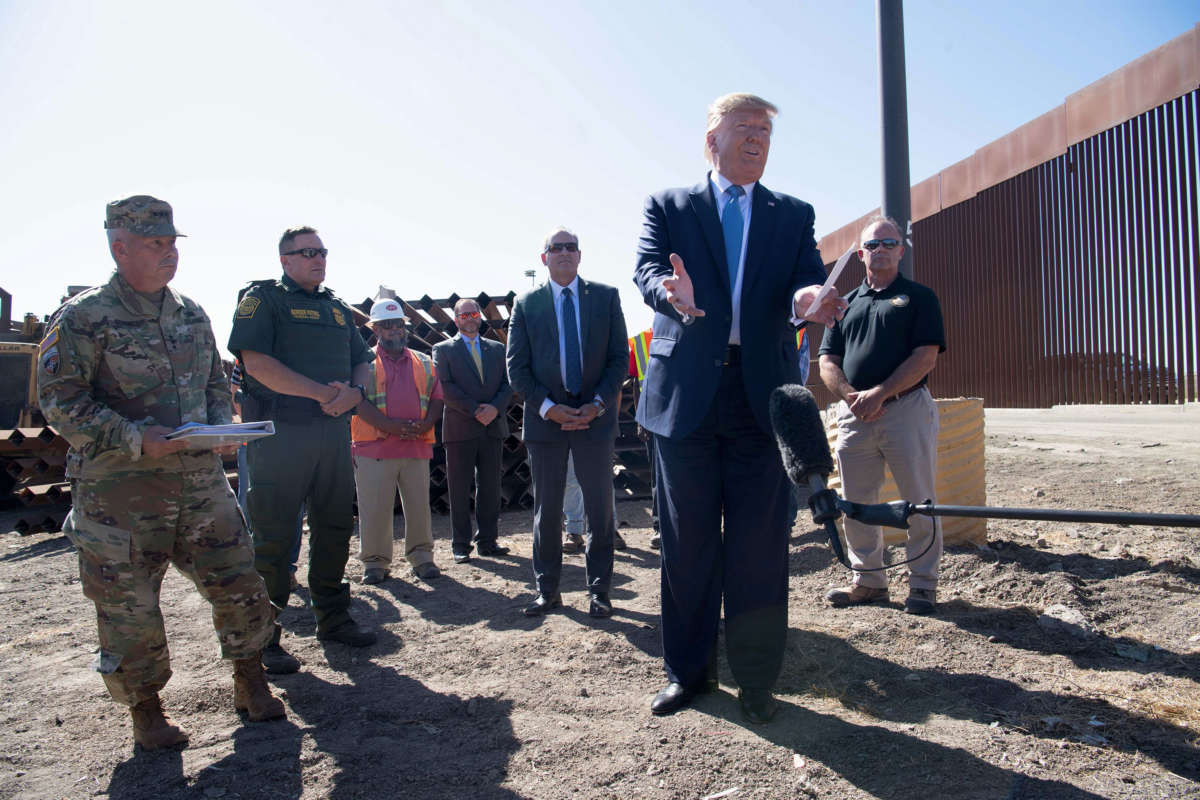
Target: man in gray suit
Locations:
point(567, 356)
point(476, 391)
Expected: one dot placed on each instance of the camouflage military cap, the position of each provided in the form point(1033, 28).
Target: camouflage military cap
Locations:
point(142, 215)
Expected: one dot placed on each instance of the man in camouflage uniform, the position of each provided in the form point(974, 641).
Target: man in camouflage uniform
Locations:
point(305, 365)
point(122, 366)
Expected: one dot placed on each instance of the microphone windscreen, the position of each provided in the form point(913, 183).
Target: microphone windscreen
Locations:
point(799, 433)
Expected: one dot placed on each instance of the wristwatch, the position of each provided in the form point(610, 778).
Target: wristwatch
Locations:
point(360, 388)
point(601, 408)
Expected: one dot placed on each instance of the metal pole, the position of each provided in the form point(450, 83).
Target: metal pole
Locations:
point(893, 108)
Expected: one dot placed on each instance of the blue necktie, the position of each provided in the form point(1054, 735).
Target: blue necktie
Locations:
point(732, 224)
point(574, 368)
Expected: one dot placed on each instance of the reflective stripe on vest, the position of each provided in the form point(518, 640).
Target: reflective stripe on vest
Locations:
point(640, 346)
point(423, 379)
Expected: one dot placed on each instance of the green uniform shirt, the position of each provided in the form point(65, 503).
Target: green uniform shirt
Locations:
point(114, 362)
point(312, 333)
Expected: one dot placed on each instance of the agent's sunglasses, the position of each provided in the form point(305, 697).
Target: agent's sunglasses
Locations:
point(308, 252)
point(570, 247)
point(875, 244)
point(469, 315)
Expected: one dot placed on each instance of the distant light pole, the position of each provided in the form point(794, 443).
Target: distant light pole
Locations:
point(893, 111)
point(532, 275)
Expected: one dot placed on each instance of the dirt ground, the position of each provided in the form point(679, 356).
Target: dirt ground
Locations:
point(463, 697)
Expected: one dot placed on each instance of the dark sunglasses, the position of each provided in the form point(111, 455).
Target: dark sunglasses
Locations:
point(469, 315)
point(389, 324)
point(308, 252)
point(570, 247)
point(875, 244)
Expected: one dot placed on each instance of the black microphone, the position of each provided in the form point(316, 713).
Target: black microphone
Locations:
point(805, 451)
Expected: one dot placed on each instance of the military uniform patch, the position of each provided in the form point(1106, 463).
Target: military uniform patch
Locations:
point(247, 307)
point(338, 317)
point(50, 340)
point(305, 313)
point(899, 301)
point(50, 361)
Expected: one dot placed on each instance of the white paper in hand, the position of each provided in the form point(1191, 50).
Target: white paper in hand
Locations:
point(827, 287)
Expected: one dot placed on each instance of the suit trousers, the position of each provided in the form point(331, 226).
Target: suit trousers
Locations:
point(722, 500)
point(304, 464)
point(593, 468)
point(377, 480)
point(906, 437)
point(473, 462)
point(573, 509)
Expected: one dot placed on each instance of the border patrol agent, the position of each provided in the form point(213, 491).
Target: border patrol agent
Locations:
point(122, 366)
point(305, 365)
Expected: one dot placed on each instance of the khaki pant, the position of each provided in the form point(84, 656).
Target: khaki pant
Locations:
point(128, 530)
point(377, 480)
point(906, 437)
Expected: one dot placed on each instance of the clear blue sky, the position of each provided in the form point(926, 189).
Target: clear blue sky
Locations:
point(434, 144)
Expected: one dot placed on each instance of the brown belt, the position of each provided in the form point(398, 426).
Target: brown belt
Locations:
point(905, 393)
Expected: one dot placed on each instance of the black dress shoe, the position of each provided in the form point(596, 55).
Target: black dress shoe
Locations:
point(349, 633)
point(670, 699)
point(600, 606)
point(758, 705)
point(492, 550)
point(462, 558)
point(542, 604)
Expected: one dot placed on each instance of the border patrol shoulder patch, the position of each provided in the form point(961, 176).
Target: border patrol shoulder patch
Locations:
point(247, 307)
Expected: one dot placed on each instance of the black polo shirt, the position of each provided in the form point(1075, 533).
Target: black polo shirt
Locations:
point(882, 329)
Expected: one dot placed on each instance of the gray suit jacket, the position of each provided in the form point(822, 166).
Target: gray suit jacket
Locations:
point(464, 391)
point(533, 361)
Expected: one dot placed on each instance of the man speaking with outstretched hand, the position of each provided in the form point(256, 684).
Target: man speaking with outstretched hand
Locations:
point(730, 268)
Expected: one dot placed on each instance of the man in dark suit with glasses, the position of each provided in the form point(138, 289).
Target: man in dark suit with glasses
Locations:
point(568, 356)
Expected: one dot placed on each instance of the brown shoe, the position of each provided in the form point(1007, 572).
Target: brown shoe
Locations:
point(251, 692)
point(573, 543)
point(856, 596)
point(151, 728)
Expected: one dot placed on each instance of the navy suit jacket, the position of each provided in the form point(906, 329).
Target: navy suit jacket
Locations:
point(464, 391)
point(533, 361)
point(685, 360)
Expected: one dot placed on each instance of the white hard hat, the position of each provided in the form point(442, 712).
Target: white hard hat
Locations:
point(387, 308)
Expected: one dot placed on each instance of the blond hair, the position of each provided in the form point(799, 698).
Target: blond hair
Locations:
point(726, 104)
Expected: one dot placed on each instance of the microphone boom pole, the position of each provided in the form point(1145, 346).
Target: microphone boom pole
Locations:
point(927, 509)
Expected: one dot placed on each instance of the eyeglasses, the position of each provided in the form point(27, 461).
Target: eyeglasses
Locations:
point(875, 244)
point(469, 315)
point(308, 252)
point(389, 324)
point(570, 247)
